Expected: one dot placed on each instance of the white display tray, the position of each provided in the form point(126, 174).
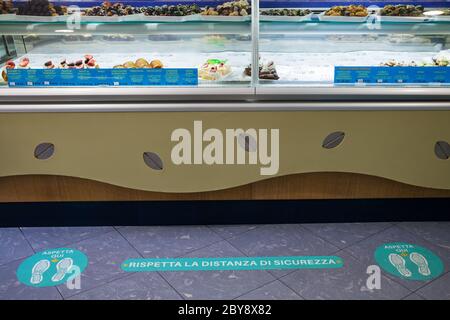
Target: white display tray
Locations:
point(286, 18)
point(191, 17)
point(440, 18)
point(19, 18)
point(323, 17)
point(7, 17)
point(200, 17)
point(402, 19)
point(132, 17)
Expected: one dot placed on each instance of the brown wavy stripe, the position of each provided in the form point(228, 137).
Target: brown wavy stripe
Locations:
point(326, 185)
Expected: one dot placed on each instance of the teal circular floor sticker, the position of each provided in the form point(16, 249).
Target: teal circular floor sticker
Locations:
point(408, 261)
point(52, 267)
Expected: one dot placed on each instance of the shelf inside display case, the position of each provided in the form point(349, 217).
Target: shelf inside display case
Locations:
point(125, 27)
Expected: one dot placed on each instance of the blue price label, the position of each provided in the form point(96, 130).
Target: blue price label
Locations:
point(391, 75)
point(101, 77)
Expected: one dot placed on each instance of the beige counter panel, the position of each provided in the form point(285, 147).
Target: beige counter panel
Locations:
point(108, 147)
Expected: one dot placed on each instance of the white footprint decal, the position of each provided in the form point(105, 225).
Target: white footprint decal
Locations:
point(421, 262)
point(398, 262)
point(38, 270)
point(62, 268)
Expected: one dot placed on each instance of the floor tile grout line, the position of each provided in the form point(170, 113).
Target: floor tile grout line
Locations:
point(259, 287)
point(312, 233)
point(245, 254)
point(101, 285)
point(430, 282)
point(26, 239)
point(226, 238)
point(420, 236)
point(79, 240)
point(287, 285)
point(142, 256)
point(361, 240)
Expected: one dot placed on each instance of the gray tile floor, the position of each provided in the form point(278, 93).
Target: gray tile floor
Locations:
point(108, 247)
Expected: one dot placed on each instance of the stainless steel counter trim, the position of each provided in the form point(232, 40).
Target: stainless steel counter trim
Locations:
point(102, 94)
point(208, 94)
point(352, 91)
point(224, 107)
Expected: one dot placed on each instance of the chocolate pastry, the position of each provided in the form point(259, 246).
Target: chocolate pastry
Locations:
point(285, 12)
point(266, 71)
point(41, 8)
point(6, 7)
point(401, 10)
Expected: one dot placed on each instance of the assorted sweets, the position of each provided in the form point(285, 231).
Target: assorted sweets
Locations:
point(232, 8)
point(108, 9)
point(267, 71)
point(88, 62)
point(402, 10)
point(10, 64)
point(41, 8)
point(348, 11)
point(442, 59)
point(140, 63)
point(6, 7)
point(179, 10)
point(118, 37)
point(214, 69)
point(229, 8)
point(286, 12)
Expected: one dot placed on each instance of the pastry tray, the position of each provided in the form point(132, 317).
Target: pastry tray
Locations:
point(402, 19)
point(130, 18)
point(191, 17)
point(323, 17)
point(200, 17)
point(7, 17)
point(19, 18)
point(286, 18)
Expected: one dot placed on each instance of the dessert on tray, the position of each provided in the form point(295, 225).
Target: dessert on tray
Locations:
point(41, 8)
point(267, 71)
point(285, 12)
point(214, 69)
point(347, 11)
point(401, 10)
point(233, 8)
point(6, 7)
point(88, 62)
point(140, 64)
point(178, 10)
point(108, 9)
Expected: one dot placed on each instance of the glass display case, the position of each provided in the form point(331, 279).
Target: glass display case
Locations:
point(210, 48)
point(367, 49)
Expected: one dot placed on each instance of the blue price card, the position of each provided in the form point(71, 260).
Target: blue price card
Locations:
point(391, 75)
point(101, 77)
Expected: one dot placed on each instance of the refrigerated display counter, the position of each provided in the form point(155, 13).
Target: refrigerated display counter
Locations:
point(144, 106)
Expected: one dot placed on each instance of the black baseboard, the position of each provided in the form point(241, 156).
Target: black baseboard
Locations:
point(221, 212)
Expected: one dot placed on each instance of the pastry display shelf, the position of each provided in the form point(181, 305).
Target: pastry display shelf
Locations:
point(134, 28)
point(330, 28)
